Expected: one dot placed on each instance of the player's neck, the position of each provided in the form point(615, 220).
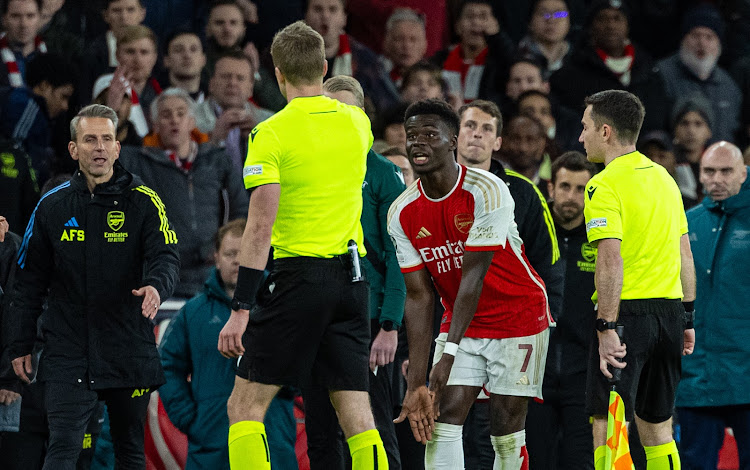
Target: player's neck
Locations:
point(615, 151)
point(439, 183)
point(484, 165)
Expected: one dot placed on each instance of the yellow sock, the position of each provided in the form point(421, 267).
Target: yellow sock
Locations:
point(599, 454)
point(367, 451)
point(663, 457)
point(248, 446)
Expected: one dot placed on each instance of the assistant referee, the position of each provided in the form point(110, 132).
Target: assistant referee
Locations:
point(644, 268)
point(309, 323)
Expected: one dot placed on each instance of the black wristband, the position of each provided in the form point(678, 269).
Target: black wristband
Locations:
point(689, 317)
point(689, 306)
point(248, 281)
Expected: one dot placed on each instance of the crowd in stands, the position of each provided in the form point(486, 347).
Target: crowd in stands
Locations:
point(190, 79)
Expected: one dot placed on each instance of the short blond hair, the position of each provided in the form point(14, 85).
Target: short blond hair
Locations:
point(299, 53)
point(136, 32)
point(346, 83)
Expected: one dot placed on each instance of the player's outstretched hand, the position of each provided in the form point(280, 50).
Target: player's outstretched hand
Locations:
point(151, 300)
point(688, 342)
point(417, 407)
point(230, 338)
point(439, 378)
point(611, 351)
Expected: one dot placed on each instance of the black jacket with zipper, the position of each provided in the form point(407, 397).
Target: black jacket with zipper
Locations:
point(85, 252)
point(537, 230)
point(569, 343)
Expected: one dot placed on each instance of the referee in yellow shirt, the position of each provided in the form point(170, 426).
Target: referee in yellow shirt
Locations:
point(644, 269)
point(308, 323)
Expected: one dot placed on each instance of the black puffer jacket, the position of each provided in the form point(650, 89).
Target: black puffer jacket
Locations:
point(90, 250)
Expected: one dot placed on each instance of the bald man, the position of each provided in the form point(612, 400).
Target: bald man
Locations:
point(714, 392)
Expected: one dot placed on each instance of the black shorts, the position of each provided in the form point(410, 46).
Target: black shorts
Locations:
point(653, 334)
point(310, 327)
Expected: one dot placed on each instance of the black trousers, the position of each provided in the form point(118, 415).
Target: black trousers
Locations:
point(69, 409)
point(558, 432)
point(27, 448)
point(326, 447)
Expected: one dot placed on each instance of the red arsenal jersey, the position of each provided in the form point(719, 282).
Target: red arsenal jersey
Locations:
point(477, 214)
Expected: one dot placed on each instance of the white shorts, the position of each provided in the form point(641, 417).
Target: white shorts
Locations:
point(508, 366)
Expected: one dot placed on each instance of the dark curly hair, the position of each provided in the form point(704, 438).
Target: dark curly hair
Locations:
point(437, 107)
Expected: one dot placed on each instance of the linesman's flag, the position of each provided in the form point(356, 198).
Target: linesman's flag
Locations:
point(617, 451)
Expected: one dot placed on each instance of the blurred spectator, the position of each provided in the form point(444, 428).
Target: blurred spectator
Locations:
point(558, 432)
point(126, 133)
point(657, 145)
point(524, 74)
point(694, 70)
point(184, 61)
point(718, 230)
point(228, 115)
point(200, 379)
point(405, 43)
point(473, 67)
point(390, 127)
point(606, 59)
point(28, 111)
point(19, 190)
point(399, 158)
point(20, 42)
point(55, 31)
point(367, 20)
point(197, 182)
point(346, 56)
point(421, 81)
point(547, 34)
point(101, 54)
point(692, 124)
point(523, 150)
point(740, 72)
point(225, 30)
point(424, 80)
point(136, 53)
point(561, 124)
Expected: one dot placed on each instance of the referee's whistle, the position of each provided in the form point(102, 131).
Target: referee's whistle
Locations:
point(356, 267)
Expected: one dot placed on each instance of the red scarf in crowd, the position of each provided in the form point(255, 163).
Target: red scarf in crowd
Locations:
point(9, 58)
point(342, 63)
point(464, 76)
point(137, 116)
point(620, 66)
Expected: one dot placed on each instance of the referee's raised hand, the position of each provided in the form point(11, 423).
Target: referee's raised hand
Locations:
point(230, 338)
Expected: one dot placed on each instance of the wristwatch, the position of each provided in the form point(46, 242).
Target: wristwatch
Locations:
point(387, 326)
point(603, 325)
point(238, 305)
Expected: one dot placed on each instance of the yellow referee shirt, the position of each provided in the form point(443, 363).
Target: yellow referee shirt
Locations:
point(316, 149)
point(636, 201)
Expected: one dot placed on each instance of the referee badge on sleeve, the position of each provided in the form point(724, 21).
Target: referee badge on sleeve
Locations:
point(252, 170)
point(594, 223)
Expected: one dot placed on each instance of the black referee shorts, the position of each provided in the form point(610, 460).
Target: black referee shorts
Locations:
point(310, 327)
point(653, 334)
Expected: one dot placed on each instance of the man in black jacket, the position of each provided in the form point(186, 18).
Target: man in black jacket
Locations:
point(478, 136)
point(558, 433)
point(101, 250)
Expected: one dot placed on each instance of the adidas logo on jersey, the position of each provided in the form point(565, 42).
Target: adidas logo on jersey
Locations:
point(71, 223)
point(423, 233)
